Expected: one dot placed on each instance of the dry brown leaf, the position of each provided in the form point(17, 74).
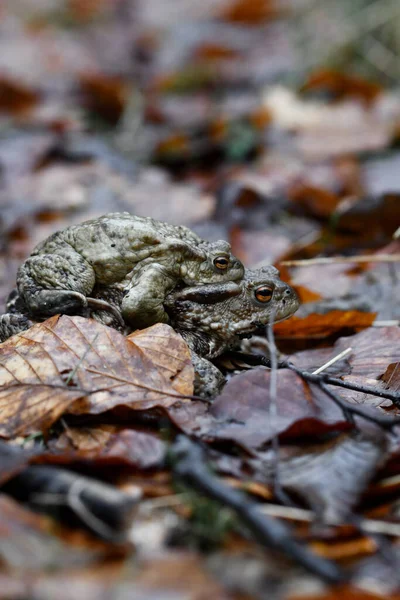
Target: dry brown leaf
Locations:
point(341, 85)
point(105, 96)
point(391, 377)
point(33, 393)
point(168, 354)
point(251, 12)
point(243, 410)
point(322, 326)
point(109, 444)
point(44, 370)
point(313, 201)
point(173, 575)
point(349, 549)
point(15, 98)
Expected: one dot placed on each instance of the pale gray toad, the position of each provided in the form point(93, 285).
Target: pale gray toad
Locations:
point(145, 257)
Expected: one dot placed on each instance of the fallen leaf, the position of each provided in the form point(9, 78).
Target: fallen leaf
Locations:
point(22, 530)
point(313, 201)
point(331, 477)
point(251, 12)
point(213, 52)
point(165, 350)
point(348, 549)
point(105, 96)
point(379, 573)
point(33, 393)
point(391, 377)
point(176, 575)
point(109, 445)
point(376, 215)
point(341, 85)
point(323, 326)
point(243, 414)
point(44, 370)
point(15, 98)
point(325, 131)
point(13, 460)
point(372, 351)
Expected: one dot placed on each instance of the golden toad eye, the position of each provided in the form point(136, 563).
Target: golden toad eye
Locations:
point(221, 262)
point(264, 293)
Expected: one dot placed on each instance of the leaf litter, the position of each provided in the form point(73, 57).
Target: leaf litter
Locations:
point(177, 114)
point(65, 359)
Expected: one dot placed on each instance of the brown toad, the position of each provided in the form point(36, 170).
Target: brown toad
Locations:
point(211, 318)
point(214, 318)
point(145, 257)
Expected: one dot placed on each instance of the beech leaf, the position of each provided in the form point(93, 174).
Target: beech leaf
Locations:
point(45, 370)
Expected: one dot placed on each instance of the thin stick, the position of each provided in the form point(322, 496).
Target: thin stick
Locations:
point(301, 514)
point(290, 513)
point(324, 377)
point(190, 465)
point(273, 409)
point(333, 260)
point(333, 360)
point(349, 410)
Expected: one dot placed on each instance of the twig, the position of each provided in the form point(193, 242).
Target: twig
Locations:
point(103, 508)
point(322, 379)
point(289, 513)
point(351, 409)
point(273, 410)
point(301, 514)
point(333, 260)
point(333, 361)
point(325, 378)
point(190, 466)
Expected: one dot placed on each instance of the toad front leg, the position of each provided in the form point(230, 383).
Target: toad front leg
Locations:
point(208, 379)
point(55, 283)
point(142, 304)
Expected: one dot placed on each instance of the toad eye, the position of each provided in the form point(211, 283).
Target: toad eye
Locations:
point(264, 293)
point(221, 262)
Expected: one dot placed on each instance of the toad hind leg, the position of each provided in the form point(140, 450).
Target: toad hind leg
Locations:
point(55, 283)
point(142, 305)
point(11, 324)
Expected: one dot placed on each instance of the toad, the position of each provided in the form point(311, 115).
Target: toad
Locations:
point(215, 318)
point(145, 257)
point(211, 318)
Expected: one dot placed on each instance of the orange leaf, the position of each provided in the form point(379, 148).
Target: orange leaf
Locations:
point(322, 326)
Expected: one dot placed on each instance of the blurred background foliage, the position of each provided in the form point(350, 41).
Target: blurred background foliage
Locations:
point(361, 36)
